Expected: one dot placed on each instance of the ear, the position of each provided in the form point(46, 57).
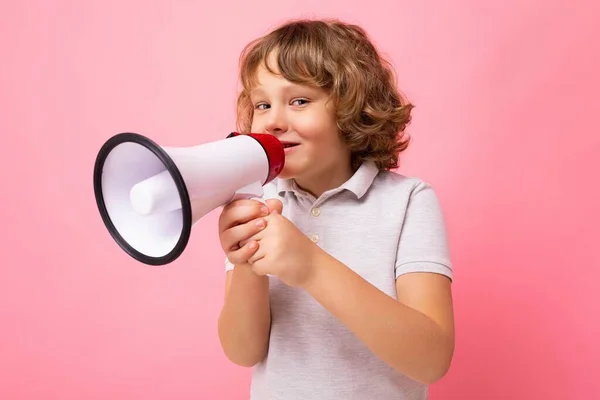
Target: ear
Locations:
point(275, 205)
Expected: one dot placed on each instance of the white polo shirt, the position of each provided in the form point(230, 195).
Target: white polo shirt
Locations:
point(381, 225)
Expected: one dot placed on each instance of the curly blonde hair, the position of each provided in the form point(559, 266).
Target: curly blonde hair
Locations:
point(340, 58)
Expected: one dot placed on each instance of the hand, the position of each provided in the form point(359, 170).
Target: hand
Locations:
point(240, 220)
point(283, 250)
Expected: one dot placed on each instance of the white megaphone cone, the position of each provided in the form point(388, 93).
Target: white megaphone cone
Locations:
point(149, 196)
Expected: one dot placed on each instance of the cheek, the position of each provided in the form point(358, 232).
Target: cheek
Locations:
point(255, 126)
point(317, 129)
point(258, 121)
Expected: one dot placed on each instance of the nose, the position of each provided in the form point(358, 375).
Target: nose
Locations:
point(276, 121)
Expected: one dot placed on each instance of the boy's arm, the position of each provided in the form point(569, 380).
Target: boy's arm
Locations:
point(414, 335)
point(245, 319)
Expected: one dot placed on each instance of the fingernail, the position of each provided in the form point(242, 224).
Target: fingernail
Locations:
point(264, 210)
point(260, 223)
point(252, 245)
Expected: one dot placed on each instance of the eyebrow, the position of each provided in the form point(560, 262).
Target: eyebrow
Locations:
point(257, 90)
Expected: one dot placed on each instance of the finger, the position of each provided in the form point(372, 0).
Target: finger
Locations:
point(242, 255)
point(260, 224)
point(258, 266)
point(275, 205)
point(256, 257)
point(239, 235)
point(241, 211)
point(239, 203)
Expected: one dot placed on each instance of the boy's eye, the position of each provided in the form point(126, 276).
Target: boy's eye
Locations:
point(299, 102)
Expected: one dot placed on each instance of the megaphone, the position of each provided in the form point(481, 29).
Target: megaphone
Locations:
point(150, 197)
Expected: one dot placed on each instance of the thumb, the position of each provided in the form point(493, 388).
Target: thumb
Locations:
point(275, 205)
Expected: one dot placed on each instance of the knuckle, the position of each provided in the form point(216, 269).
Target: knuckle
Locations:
point(245, 213)
point(235, 258)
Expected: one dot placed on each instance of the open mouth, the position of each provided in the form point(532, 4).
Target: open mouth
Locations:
point(287, 145)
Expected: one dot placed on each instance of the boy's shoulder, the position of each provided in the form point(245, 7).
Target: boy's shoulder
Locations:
point(387, 183)
point(398, 182)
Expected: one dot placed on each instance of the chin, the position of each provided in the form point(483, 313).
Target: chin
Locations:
point(291, 171)
point(294, 168)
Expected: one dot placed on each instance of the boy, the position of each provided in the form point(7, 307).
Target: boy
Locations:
point(358, 302)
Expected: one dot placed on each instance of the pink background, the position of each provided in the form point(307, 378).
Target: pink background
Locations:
point(506, 128)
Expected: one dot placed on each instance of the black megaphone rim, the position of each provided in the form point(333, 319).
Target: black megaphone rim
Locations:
point(168, 162)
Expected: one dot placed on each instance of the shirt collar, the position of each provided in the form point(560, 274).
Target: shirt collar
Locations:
point(358, 184)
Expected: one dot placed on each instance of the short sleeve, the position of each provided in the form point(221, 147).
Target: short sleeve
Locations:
point(423, 244)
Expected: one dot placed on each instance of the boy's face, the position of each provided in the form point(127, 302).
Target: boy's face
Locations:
point(302, 117)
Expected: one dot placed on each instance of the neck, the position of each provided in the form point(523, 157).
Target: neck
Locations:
point(323, 181)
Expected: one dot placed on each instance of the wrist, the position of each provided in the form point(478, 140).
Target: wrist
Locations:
point(246, 272)
point(318, 262)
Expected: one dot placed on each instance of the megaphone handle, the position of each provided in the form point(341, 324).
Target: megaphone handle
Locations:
point(261, 199)
point(253, 191)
